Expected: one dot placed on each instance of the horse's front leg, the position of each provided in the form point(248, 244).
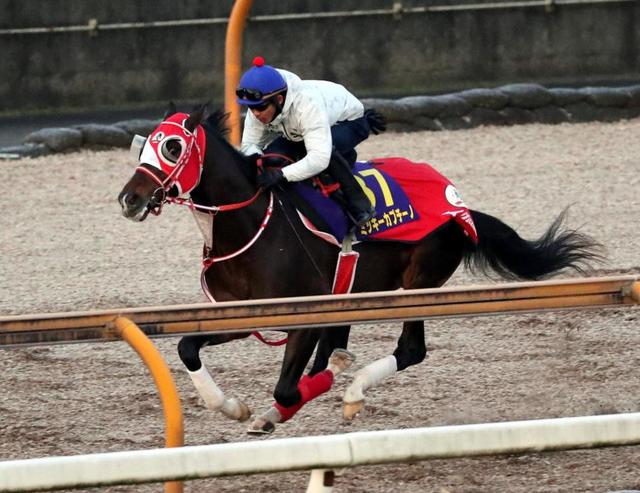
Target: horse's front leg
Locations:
point(213, 397)
point(292, 391)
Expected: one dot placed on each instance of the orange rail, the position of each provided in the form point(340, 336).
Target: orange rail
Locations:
point(290, 313)
point(233, 65)
point(174, 429)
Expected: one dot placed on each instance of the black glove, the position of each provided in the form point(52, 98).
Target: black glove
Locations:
point(377, 122)
point(272, 161)
point(253, 159)
point(270, 177)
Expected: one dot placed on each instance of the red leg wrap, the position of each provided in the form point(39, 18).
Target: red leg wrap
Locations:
point(312, 387)
point(309, 388)
point(288, 412)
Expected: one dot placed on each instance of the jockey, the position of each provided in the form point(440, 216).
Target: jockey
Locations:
point(318, 123)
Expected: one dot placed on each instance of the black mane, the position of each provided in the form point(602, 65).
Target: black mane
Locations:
point(216, 123)
point(215, 126)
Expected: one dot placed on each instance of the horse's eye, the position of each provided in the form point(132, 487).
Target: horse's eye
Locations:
point(171, 150)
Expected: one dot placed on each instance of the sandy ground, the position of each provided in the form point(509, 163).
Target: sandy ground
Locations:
point(65, 247)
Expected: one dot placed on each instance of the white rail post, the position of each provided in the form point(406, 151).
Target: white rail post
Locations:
point(321, 481)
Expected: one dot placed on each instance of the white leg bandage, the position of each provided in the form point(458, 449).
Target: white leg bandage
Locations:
point(369, 376)
point(213, 397)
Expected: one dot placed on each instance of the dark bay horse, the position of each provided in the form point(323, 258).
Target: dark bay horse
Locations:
point(271, 254)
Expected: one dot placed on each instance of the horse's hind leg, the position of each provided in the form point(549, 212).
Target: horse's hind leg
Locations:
point(411, 350)
point(214, 398)
point(446, 245)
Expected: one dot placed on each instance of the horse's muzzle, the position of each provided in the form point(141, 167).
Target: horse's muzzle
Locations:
point(133, 206)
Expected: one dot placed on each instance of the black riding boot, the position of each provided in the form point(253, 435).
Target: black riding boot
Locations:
point(358, 206)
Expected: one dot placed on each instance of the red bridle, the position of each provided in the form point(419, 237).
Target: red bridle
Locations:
point(183, 173)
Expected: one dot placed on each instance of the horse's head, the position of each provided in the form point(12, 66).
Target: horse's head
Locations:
point(170, 164)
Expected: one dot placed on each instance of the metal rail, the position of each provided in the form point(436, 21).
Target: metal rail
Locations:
point(329, 310)
point(397, 10)
point(329, 452)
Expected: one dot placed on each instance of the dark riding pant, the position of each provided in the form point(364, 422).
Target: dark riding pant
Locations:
point(346, 135)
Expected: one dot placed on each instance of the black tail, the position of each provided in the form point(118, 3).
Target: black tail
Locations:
point(503, 251)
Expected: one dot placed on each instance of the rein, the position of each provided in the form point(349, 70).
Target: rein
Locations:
point(160, 196)
point(214, 209)
point(208, 260)
point(158, 202)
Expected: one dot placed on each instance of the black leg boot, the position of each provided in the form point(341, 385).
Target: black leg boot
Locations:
point(359, 207)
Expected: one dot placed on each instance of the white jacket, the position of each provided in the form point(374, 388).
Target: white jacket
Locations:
point(310, 109)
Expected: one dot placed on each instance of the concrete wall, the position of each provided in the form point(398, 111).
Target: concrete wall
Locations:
point(381, 55)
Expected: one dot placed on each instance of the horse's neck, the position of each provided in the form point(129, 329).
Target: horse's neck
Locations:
point(224, 182)
point(223, 177)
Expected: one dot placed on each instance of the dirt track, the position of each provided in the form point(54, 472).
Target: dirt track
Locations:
point(65, 247)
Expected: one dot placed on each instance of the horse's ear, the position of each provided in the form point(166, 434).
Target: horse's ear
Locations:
point(196, 117)
point(171, 110)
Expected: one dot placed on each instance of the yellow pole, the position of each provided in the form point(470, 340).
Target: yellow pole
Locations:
point(635, 291)
point(174, 430)
point(233, 65)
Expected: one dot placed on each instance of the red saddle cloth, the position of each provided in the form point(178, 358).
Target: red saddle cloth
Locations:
point(432, 201)
point(411, 201)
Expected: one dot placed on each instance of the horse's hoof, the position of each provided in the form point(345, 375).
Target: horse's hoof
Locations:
point(261, 426)
point(265, 423)
point(340, 360)
point(241, 411)
point(351, 409)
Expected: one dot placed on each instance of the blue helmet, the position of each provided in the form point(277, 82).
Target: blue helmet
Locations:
point(259, 84)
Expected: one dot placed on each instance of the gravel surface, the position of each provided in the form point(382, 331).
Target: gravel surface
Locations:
point(65, 247)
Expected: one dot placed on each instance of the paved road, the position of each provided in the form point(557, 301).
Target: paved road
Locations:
point(13, 129)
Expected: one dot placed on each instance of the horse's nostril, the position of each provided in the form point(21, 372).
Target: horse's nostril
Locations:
point(130, 199)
